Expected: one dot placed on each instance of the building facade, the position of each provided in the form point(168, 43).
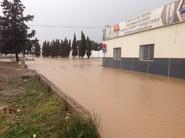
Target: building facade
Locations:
point(153, 42)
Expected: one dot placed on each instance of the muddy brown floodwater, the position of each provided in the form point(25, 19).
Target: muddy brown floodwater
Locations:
point(129, 104)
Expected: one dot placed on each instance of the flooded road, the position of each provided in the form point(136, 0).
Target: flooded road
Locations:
point(129, 104)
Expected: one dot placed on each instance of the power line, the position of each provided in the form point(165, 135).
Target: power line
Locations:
point(66, 26)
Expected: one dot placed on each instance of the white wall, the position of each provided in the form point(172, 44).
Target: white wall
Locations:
point(169, 42)
point(96, 54)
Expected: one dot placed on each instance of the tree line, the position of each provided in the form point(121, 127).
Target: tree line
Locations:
point(16, 37)
point(65, 48)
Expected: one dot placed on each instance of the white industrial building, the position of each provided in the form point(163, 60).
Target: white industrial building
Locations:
point(153, 42)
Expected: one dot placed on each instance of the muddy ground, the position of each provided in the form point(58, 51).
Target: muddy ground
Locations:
point(12, 87)
point(10, 73)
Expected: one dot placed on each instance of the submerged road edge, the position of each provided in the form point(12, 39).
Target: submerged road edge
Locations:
point(69, 100)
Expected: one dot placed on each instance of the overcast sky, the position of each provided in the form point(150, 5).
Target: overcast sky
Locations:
point(84, 13)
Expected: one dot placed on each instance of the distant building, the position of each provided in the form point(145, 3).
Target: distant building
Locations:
point(153, 42)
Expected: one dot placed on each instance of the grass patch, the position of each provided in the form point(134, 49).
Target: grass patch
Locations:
point(2, 121)
point(78, 127)
point(41, 113)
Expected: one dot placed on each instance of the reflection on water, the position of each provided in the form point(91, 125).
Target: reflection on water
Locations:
point(129, 104)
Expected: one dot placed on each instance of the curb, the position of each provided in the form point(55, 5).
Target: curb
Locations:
point(69, 100)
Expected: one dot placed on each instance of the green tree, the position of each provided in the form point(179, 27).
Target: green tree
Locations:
point(65, 48)
point(74, 47)
point(88, 48)
point(46, 52)
point(27, 49)
point(44, 49)
point(57, 47)
point(82, 46)
point(13, 29)
point(68, 48)
point(95, 46)
point(37, 48)
point(61, 51)
point(53, 48)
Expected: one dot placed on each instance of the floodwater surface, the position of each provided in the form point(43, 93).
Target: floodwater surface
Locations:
point(129, 104)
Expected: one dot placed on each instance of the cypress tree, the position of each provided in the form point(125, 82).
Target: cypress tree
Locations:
point(52, 48)
point(61, 48)
point(48, 49)
point(68, 48)
point(37, 49)
point(74, 47)
point(44, 49)
point(65, 48)
point(88, 48)
point(82, 47)
point(58, 47)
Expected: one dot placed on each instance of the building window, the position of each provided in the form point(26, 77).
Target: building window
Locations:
point(147, 52)
point(117, 53)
